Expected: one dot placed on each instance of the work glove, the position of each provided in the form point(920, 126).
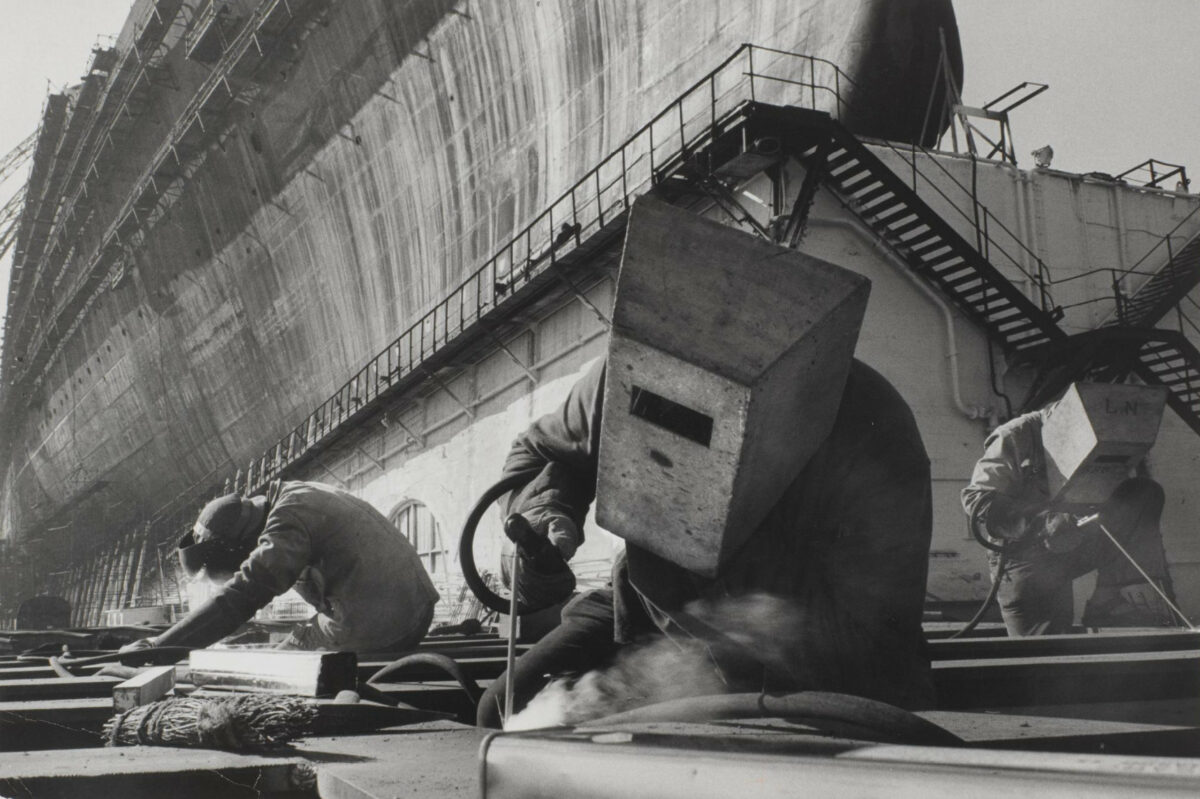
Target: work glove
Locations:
point(1060, 532)
point(141, 643)
point(1008, 518)
point(545, 577)
point(565, 536)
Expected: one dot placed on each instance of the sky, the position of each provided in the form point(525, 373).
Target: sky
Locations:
point(1122, 74)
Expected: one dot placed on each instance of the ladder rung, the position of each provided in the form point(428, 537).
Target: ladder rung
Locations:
point(910, 225)
point(840, 156)
point(935, 237)
point(921, 240)
point(902, 223)
point(858, 182)
point(846, 170)
point(863, 200)
point(892, 211)
point(942, 258)
point(978, 297)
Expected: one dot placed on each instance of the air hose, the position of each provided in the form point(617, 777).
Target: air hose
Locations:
point(1002, 552)
point(446, 664)
point(841, 714)
point(466, 543)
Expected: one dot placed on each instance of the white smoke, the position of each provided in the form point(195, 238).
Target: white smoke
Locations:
point(665, 668)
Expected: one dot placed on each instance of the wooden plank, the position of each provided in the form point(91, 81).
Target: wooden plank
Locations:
point(274, 671)
point(1005, 682)
point(149, 771)
point(53, 724)
point(1065, 645)
point(146, 687)
point(56, 688)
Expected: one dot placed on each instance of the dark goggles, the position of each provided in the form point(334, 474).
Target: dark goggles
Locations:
point(212, 553)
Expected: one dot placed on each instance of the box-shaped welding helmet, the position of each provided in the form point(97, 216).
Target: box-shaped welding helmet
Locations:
point(726, 365)
point(1095, 435)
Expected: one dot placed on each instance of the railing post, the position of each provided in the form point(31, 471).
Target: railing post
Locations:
point(750, 60)
point(1118, 299)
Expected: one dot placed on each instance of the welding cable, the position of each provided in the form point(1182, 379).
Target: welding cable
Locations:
point(840, 714)
point(466, 543)
point(438, 661)
point(1001, 551)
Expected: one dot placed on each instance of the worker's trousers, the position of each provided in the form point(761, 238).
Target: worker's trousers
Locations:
point(1036, 596)
point(584, 641)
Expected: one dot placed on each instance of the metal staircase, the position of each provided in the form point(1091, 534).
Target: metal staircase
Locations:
point(938, 253)
point(692, 152)
point(918, 234)
point(1169, 359)
point(1163, 291)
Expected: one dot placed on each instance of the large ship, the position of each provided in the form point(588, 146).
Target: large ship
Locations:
point(367, 243)
point(260, 235)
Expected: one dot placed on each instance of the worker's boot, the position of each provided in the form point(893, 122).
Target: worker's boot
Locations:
point(1133, 605)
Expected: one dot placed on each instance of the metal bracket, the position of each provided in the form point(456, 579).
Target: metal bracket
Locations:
point(524, 368)
point(370, 457)
point(797, 222)
point(413, 437)
point(442, 384)
point(579, 295)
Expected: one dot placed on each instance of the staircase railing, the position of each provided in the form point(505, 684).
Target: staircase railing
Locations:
point(595, 201)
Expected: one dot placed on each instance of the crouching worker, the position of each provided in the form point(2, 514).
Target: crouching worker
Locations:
point(342, 556)
point(733, 442)
point(1044, 472)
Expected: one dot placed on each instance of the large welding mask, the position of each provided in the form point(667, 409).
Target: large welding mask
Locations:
point(726, 365)
point(1095, 435)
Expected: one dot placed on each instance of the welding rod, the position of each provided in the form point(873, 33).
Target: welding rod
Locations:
point(1095, 517)
point(510, 657)
point(518, 530)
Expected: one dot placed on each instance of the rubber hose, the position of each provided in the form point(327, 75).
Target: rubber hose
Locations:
point(436, 660)
point(466, 543)
point(842, 714)
point(1002, 550)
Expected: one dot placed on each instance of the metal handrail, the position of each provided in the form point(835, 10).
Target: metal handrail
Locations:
point(648, 156)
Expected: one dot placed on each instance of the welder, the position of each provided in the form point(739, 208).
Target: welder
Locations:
point(843, 539)
point(1044, 472)
point(340, 554)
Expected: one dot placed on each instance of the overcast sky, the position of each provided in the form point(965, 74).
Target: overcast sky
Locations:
point(1122, 73)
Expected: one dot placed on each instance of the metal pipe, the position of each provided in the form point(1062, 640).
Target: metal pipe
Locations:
point(970, 411)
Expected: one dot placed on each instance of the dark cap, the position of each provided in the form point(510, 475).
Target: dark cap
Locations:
point(218, 540)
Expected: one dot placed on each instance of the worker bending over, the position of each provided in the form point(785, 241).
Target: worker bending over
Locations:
point(1012, 500)
point(342, 556)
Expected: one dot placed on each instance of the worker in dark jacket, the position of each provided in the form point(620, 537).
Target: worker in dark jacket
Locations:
point(342, 556)
point(1009, 496)
point(847, 544)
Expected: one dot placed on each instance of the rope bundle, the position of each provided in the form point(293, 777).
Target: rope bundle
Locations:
point(236, 722)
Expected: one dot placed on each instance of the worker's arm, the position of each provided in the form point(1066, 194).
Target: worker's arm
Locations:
point(998, 492)
point(561, 449)
point(272, 568)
